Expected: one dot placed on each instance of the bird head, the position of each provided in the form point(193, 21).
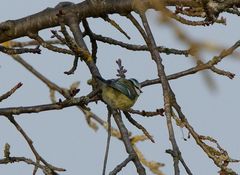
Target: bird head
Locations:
point(137, 85)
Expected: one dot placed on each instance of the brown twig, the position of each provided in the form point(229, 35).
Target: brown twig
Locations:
point(127, 143)
point(74, 67)
point(139, 126)
point(30, 143)
point(9, 93)
point(93, 41)
point(21, 159)
point(49, 46)
point(220, 157)
point(182, 20)
point(208, 65)
point(148, 113)
point(81, 101)
point(117, 26)
point(119, 167)
point(53, 86)
point(60, 39)
point(167, 92)
point(12, 51)
point(108, 141)
point(134, 47)
point(72, 21)
point(32, 43)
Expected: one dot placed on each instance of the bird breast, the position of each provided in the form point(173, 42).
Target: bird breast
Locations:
point(116, 99)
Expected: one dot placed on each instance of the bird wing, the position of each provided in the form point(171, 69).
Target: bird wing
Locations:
point(124, 87)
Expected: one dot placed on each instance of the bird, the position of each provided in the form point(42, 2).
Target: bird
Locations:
point(119, 93)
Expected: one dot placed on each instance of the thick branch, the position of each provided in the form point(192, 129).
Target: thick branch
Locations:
point(47, 18)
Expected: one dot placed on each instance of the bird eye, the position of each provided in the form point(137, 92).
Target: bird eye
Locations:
point(138, 88)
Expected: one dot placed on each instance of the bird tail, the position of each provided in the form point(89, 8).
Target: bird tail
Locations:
point(103, 81)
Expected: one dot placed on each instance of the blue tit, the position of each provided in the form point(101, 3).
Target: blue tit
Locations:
point(120, 93)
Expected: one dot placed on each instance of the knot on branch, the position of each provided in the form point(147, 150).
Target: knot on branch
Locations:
point(7, 27)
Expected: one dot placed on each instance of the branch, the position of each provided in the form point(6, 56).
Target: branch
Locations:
point(203, 66)
point(167, 91)
point(55, 87)
point(139, 126)
point(9, 93)
point(41, 108)
point(93, 41)
point(121, 166)
point(11, 51)
point(148, 113)
point(127, 143)
point(30, 143)
point(12, 29)
point(108, 141)
point(48, 46)
point(21, 159)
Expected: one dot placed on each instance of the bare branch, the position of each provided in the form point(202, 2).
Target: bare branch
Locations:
point(108, 141)
point(119, 167)
point(139, 126)
point(9, 93)
point(30, 143)
point(40, 108)
point(12, 51)
point(167, 92)
point(124, 132)
point(67, 14)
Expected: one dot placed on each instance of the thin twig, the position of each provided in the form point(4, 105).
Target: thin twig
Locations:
point(54, 86)
point(119, 167)
point(60, 38)
point(139, 126)
point(108, 141)
point(73, 23)
point(21, 159)
point(46, 107)
point(9, 93)
point(129, 148)
point(208, 65)
point(12, 51)
point(30, 143)
point(93, 41)
point(117, 26)
point(32, 43)
point(148, 113)
point(49, 46)
point(167, 92)
point(74, 67)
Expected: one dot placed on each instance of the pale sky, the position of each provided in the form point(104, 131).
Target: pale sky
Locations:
point(64, 139)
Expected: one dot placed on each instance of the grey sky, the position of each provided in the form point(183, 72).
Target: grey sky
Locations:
point(63, 137)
